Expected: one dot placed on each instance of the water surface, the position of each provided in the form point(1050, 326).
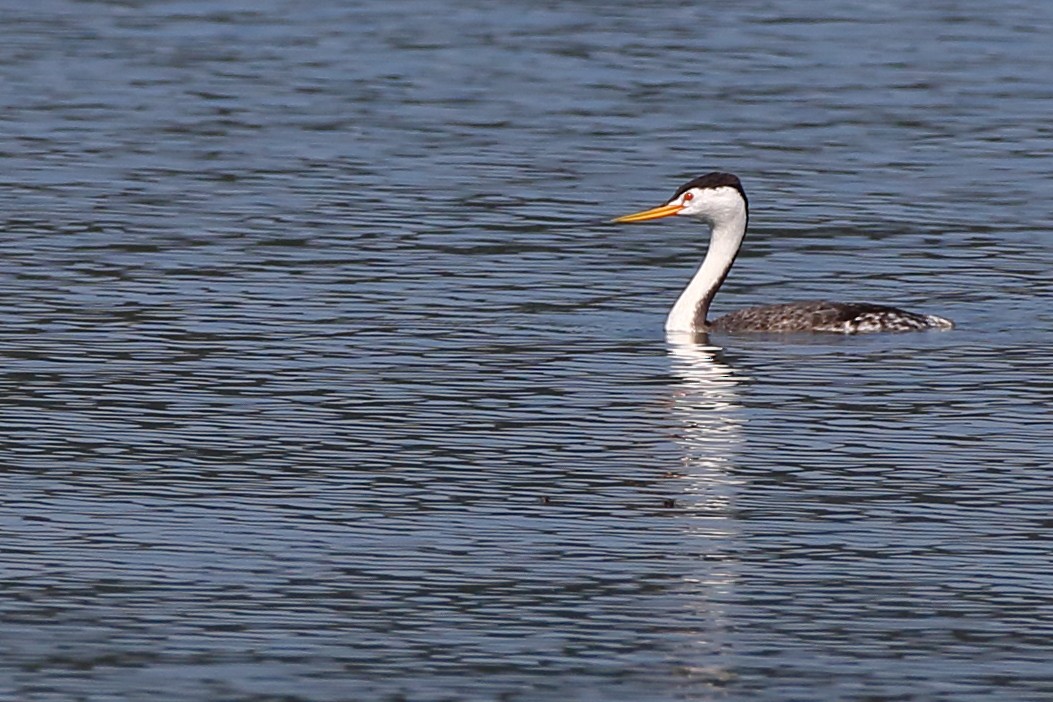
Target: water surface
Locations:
point(324, 378)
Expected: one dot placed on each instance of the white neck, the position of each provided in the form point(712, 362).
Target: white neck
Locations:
point(691, 308)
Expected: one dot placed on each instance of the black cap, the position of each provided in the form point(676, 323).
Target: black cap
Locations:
point(715, 179)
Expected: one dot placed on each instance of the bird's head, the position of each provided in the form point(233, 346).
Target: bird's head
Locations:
point(713, 198)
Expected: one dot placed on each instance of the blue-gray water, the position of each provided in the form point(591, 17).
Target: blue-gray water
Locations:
point(323, 378)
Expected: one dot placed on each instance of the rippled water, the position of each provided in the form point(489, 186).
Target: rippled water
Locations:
point(324, 378)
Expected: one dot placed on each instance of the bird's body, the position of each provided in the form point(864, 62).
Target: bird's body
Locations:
point(719, 200)
point(824, 316)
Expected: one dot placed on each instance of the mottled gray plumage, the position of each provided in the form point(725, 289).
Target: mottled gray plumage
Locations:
point(823, 316)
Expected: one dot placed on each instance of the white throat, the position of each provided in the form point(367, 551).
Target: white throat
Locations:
point(691, 308)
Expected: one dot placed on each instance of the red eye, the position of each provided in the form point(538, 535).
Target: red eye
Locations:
point(688, 197)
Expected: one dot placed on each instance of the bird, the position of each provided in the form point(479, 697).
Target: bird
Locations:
point(719, 200)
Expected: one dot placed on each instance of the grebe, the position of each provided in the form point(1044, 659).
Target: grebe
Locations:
point(719, 200)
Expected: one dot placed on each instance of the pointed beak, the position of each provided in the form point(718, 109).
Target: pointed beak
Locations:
point(653, 213)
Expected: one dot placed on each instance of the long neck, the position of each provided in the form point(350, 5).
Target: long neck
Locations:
point(689, 312)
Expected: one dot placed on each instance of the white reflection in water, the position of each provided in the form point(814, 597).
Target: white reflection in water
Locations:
point(708, 414)
point(708, 422)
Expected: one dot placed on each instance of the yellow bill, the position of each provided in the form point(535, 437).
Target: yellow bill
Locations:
point(653, 213)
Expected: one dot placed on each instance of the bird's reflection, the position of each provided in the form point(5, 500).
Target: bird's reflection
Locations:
point(708, 428)
point(708, 418)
